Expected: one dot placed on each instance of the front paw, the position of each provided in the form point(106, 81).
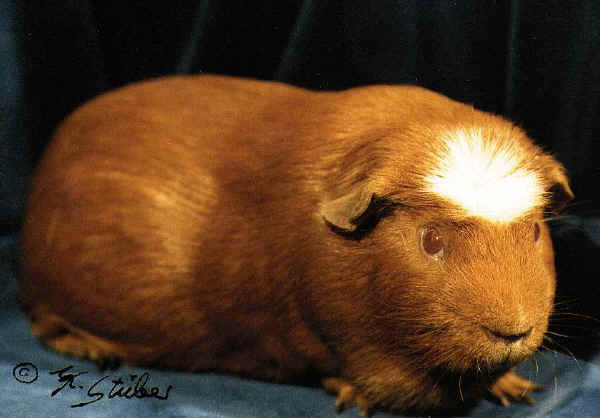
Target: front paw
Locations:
point(347, 396)
point(512, 388)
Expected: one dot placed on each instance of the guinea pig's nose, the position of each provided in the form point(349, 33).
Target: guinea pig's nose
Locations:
point(507, 337)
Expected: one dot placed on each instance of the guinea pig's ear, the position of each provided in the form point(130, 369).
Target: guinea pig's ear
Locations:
point(358, 208)
point(559, 190)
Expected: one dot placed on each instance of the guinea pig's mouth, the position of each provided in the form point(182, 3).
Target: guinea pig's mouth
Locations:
point(505, 349)
point(508, 338)
point(482, 344)
point(490, 349)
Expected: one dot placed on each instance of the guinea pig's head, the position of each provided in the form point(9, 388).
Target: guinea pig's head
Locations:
point(453, 216)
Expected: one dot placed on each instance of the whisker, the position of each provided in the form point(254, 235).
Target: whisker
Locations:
point(556, 334)
point(537, 365)
point(564, 301)
point(571, 327)
point(577, 315)
point(555, 353)
point(562, 347)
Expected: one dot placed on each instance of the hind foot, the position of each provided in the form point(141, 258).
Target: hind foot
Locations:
point(68, 339)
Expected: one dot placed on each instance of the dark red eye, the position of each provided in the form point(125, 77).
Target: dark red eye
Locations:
point(536, 232)
point(432, 242)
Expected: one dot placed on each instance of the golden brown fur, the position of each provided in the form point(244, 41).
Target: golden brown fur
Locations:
point(210, 223)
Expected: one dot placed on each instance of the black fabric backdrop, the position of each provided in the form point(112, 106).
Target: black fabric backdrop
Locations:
point(536, 62)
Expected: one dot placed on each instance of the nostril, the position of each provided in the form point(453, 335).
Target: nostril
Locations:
point(509, 337)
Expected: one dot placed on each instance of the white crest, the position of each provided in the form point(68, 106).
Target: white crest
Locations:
point(486, 178)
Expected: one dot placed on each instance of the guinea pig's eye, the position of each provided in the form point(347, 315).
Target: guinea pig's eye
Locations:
point(432, 242)
point(536, 232)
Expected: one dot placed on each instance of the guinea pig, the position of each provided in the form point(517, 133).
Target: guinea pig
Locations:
point(385, 240)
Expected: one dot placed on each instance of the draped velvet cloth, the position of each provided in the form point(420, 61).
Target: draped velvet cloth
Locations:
point(535, 62)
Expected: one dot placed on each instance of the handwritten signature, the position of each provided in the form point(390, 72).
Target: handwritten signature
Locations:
point(133, 386)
